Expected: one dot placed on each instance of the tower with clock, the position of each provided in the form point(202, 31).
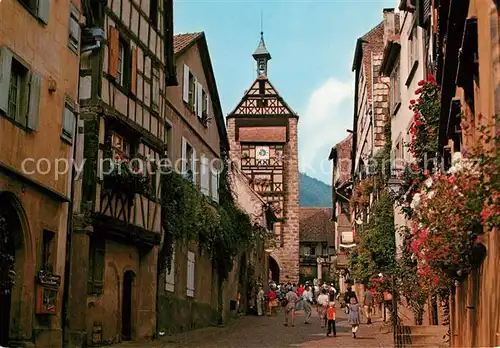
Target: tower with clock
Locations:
point(262, 132)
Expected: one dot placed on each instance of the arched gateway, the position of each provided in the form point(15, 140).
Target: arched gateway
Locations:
point(13, 255)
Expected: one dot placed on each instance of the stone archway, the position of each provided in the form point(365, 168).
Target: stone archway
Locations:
point(15, 247)
point(274, 270)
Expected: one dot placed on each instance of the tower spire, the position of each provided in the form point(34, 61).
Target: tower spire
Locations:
point(261, 56)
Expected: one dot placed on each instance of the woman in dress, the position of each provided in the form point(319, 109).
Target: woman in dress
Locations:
point(354, 316)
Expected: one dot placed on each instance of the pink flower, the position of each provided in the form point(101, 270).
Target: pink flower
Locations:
point(452, 179)
point(486, 213)
point(139, 172)
point(117, 157)
point(125, 161)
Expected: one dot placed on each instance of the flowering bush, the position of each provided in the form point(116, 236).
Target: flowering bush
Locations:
point(122, 175)
point(379, 284)
point(362, 191)
point(426, 109)
point(451, 212)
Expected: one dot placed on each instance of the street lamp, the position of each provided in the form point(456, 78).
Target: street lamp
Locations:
point(395, 186)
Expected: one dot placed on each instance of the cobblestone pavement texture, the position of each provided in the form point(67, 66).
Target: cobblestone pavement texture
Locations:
point(269, 332)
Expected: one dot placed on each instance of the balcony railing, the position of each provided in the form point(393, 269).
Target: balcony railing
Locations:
point(312, 259)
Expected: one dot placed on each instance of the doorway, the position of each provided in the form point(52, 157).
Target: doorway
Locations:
point(274, 270)
point(10, 228)
point(128, 284)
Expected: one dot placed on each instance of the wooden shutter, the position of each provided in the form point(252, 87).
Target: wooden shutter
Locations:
point(133, 71)
point(35, 91)
point(170, 275)
point(185, 86)
point(207, 100)
point(193, 165)
point(44, 10)
point(204, 175)
point(5, 71)
point(199, 99)
point(113, 43)
point(184, 157)
point(215, 186)
point(190, 274)
point(195, 96)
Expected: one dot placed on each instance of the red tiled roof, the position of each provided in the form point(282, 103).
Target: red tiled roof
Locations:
point(315, 225)
point(181, 41)
point(344, 154)
point(263, 134)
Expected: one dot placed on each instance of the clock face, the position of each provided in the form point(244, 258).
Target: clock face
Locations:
point(262, 153)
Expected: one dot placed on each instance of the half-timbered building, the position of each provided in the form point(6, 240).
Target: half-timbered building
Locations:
point(262, 131)
point(39, 54)
point(127, 62)
point(196, 138)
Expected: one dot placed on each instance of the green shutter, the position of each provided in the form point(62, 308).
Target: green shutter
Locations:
point(44, 10)
point(5, 71)
point(35, 89)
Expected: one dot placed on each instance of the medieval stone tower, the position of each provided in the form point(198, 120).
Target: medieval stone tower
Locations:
point(262, 132)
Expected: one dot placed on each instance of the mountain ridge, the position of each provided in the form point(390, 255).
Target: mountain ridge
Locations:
point(314, 192)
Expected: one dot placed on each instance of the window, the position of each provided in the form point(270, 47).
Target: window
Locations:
point(153, 13)
point(188, 161)
point(204, 175)
point(96, 265)
point(69, 121)
point(47, 251)
point(307, 250)
point(74, 29)
point(190, 274)
point(155, 90)
point(119, 145)
point(170, 275)
point(20, 90)
point(166, 138)
point(412, 52)
point(18, 81)
point(192, 91)
point(204, 98)
point(395, 88)
point(344, 208)
point(121, 63)
point(313, 250)
point(39, 8)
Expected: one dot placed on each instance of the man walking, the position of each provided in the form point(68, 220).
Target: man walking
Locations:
point(307, 299)
point(367, 305)
point(291, 302)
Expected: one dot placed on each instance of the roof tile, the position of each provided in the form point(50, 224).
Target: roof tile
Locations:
point(181, 41)
point(315, 225)
point(263, 134)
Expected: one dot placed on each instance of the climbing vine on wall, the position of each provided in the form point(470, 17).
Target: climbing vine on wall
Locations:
point(6, 259)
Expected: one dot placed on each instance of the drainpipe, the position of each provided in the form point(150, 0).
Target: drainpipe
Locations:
point(69, 232)
point(372, 102)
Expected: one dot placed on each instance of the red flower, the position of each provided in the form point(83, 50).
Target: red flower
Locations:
point(421, 83)
point(412, 101)
point(430, 77)
point(125, 161)
point(117, 157)
point(419, 90)
point(486, 213)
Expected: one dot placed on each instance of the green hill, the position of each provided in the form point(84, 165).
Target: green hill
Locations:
point(313, 192)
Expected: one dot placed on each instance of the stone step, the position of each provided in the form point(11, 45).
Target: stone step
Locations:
point(429, 329)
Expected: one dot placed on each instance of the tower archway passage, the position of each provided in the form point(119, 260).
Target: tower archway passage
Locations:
point(274, 269)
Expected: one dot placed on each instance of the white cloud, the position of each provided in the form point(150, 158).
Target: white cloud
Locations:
point(328, 115)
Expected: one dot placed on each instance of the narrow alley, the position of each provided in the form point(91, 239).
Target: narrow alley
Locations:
point(267, 332)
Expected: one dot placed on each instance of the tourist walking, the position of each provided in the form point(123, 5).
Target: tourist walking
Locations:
point(323, 301)
point(368, 305)
point(260, 300)
point(291, 302)
point(330, 317)
point(307, 298)
point(354, 316)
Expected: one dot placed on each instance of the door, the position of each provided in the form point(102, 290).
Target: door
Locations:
point(128, 282)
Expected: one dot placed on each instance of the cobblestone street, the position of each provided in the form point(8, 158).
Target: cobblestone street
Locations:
point(263, 332)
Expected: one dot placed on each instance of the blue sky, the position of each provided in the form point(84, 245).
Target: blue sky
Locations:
point(312, 46)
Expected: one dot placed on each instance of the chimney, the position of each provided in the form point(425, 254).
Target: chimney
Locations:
point(389, 24)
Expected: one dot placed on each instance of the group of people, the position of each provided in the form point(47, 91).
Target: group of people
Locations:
point(304, 297)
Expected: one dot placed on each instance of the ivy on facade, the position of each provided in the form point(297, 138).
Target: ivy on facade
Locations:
point(6, 259)
point(223, 230)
